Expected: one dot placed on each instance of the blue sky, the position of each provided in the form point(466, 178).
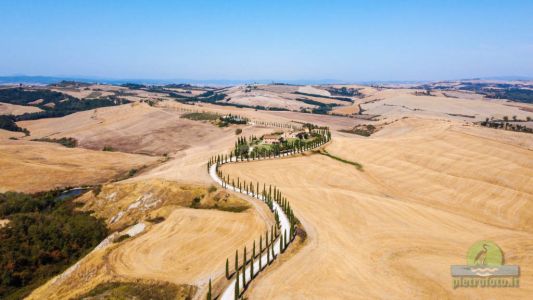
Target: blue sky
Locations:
point(267, 40)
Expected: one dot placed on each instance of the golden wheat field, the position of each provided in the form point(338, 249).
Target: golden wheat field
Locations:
point(428, 190)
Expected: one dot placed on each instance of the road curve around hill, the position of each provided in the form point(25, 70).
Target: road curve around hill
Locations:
point(284, 224)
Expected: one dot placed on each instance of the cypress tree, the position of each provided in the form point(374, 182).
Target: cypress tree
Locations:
point(227, 268)
point(252, 268)
point(268, 254)
point(209, 292)
point(236, 261)
point(260, 259)
point(253, 250)
point(237, 292)
point(244, 273)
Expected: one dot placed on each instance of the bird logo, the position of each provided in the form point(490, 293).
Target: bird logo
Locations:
point(484, 258)
point(481, 255)
point(485, 268)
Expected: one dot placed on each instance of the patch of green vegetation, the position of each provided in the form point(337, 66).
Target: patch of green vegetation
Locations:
point(264, 147)
point(322, 108)
point(506, 125)
point(236, 209)
point(201, 116)
point(207, 97)
point(196, 202)
point(212, 189)
point(20, 96)
point(129, 174)
point(122, 238)
point(132, 172)
point(343, 91)
point(45, 235)
point(54, 104)
point(65, 141)
point(133, 86)
point(70, 83)
point(353, 163)
point(515, 94)
point(108, 148)
point(7, 122)
point(364, 130)
point(156, 220)
point(134, 290)
point(233, 119)
point(322, 96)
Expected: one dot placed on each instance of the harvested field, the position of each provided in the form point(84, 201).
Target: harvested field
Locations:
point(12, 109)
point(37, 166)
point(399, 103)
point(427, 193)
point(189, 247)
point(134, 128)
point(313, 90)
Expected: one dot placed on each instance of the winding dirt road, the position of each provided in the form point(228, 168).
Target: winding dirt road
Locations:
point(229, 291)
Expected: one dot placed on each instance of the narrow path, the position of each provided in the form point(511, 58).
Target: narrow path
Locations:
point(285, 226)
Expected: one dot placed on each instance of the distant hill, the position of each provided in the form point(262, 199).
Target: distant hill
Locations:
point(25, 79)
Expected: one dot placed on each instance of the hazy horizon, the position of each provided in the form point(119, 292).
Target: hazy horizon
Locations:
point(342, 41)
point(40, 79)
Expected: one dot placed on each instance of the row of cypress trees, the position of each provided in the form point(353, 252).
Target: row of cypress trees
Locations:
point(323, 135)
point(269, 196)
point(277, 124)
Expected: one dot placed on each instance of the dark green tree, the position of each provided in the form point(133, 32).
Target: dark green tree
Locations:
point(227, 268)
point(236, 260)
point(209, 291)
point(237, 289)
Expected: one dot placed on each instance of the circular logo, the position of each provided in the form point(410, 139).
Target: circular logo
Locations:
point(484, 253)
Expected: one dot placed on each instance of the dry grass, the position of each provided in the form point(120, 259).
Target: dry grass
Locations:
point(396, 103)
point(313, 90)
point(123, 204)
point(428, 192)
point(12, 109)
point(134, 128)
point(36, 166)
point(187, 248)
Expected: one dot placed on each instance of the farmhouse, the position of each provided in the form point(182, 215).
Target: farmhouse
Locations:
point(295, 135)
point(271, 139)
